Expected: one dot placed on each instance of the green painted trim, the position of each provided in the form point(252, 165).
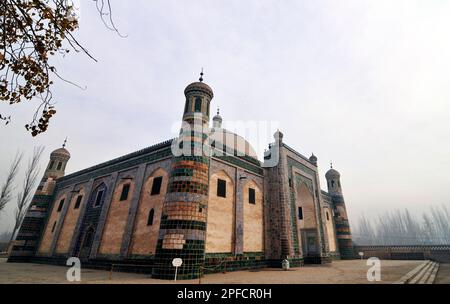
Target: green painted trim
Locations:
point(113, 166)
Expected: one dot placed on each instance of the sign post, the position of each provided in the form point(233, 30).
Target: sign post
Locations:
point(177, 262)
point(361, 254)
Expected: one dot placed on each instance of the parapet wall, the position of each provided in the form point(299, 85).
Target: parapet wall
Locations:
point(439, 253)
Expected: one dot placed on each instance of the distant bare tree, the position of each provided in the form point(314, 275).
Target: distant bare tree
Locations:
point(7, 187)
point(24, 197)
point(441, 219)
point(401, 228)
point(365, 228)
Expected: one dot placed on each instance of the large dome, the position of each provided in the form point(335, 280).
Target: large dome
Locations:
point(232, 141)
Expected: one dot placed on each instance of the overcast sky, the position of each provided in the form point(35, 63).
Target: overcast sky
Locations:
point(363, 83)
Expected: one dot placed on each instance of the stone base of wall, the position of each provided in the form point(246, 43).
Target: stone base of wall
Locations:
point(224, 262)
point(317, 259)
point(438, 253)
point(214, 263)
point(135, 265)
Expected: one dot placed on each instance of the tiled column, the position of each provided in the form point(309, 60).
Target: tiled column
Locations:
point(183, 222)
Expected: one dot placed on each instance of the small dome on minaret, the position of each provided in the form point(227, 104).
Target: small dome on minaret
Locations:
point(278, 138)
point(61, 152)
point(217, 120)
point(57, 164)
point(313, 159)
point(278, 135)
point(332, 173)
point(199, 86)
point(198, 101)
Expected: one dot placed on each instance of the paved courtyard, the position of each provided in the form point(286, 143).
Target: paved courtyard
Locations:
point(339, 272)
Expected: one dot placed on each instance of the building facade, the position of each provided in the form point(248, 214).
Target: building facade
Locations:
point(203, 197)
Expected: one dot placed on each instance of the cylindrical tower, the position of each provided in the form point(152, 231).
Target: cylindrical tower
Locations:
point(183, 222)
point(217, 121)
point(343, 233)
point(32, 227)
point(54, 170)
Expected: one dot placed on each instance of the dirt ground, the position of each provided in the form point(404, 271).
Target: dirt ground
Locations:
point(443, 275)
point(338, 272)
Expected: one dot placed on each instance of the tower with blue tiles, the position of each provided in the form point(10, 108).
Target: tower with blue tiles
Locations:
point(183, 222)
point(343, 232)
point(31, 229)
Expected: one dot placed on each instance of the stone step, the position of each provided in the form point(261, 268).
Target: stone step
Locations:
point(433, 274)
point(427, 274)
point(407, 277)
point(416, 279)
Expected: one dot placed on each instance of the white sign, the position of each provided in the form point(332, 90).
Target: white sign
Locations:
point(177, 262)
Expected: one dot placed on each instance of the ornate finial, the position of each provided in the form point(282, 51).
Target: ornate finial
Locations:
point(64, 144)
point(218, 111)
point(331, 164)
point(201, 76)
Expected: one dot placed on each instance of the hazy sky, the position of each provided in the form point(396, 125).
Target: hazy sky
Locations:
point(363, 83)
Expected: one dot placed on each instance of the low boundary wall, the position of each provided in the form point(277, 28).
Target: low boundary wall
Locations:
point(438, 253)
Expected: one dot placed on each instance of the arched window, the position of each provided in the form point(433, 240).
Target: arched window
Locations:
point(156, 187)
point(125, 191)
point(300, 213)
point(251, 196)
point(332, 184)
point(99, 197)
point(221, 188)
point(54, 226)
point(198, 104)
point(151, 215)
point(61, 205)
point(78, 201)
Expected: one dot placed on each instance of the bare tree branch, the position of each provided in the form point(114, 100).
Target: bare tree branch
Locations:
point(24, 196)
point(7, 187)
point(31, 32)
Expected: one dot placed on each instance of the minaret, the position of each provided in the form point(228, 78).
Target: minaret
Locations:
point(183, 222)
point(217, 120)
point(343, 233)
point(31, 230)
point(313, 159)
point(54, 170)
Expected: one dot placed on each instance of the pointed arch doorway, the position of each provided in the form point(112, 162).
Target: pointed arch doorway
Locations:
point(86, 244)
